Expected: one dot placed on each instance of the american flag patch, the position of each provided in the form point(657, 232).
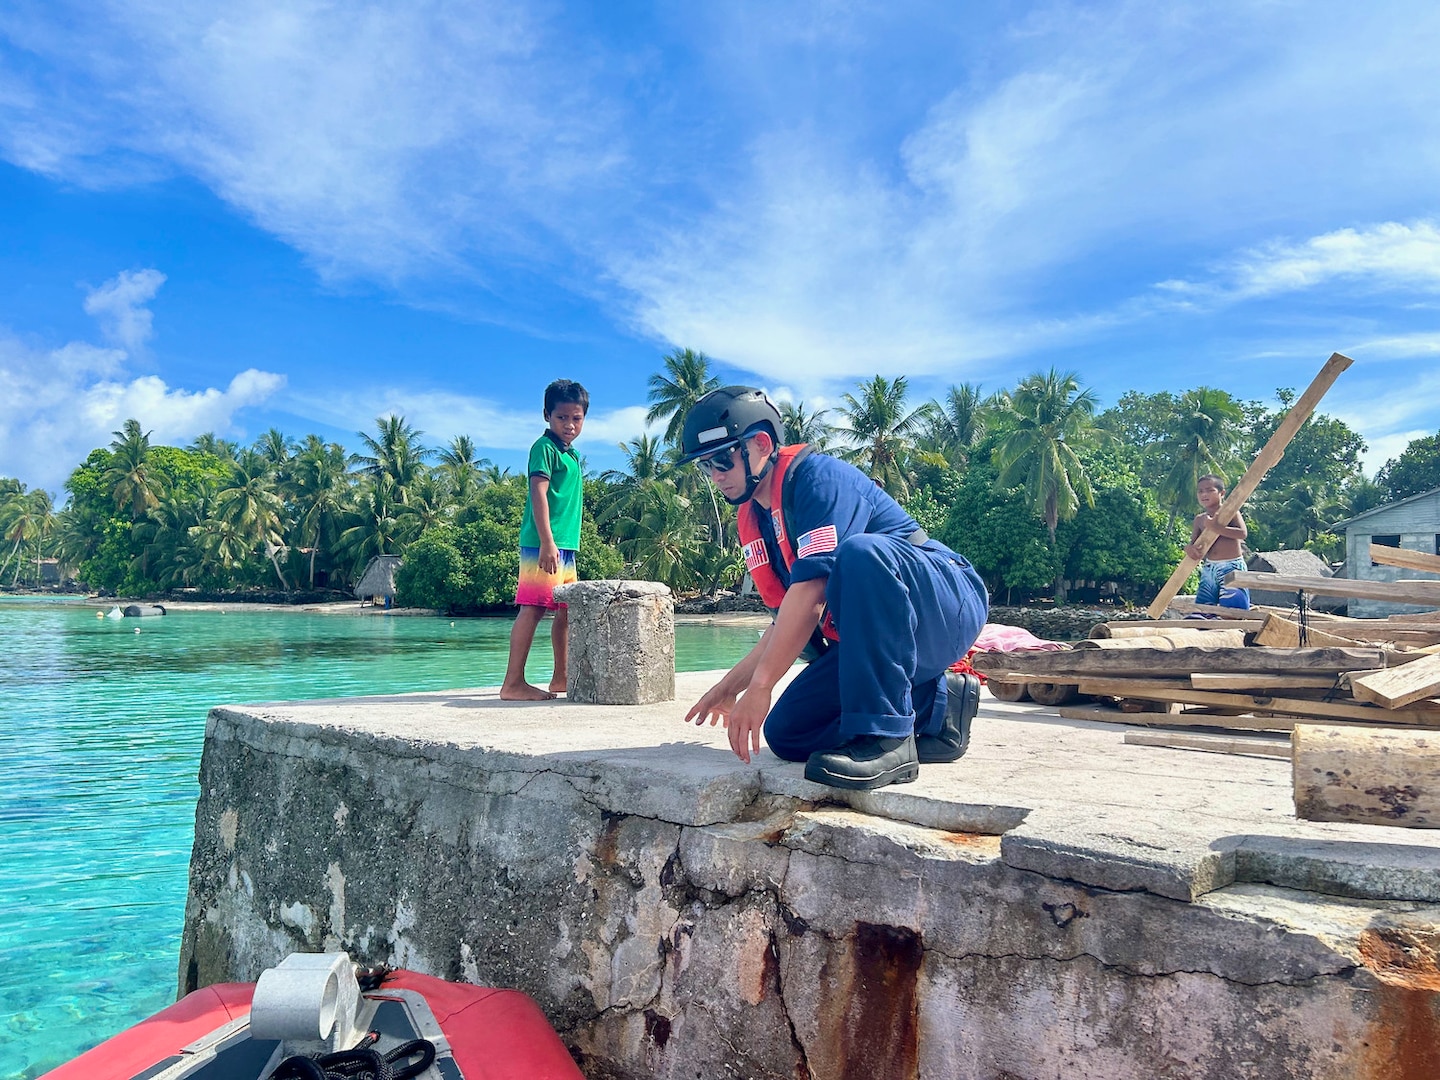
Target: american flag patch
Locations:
point(755, 555)
point(816, 541)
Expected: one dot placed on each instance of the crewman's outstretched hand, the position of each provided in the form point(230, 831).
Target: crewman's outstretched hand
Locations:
point(715, 706)
point(746, 720)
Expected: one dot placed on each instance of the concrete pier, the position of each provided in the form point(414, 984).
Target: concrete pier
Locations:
point(1056, 905)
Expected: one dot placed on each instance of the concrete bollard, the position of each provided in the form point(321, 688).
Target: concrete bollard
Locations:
point(622, 642)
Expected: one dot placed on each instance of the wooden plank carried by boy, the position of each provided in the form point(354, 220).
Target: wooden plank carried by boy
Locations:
point(1264, 461)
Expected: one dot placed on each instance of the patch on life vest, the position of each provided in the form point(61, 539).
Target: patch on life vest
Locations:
point(755, 555)
point(778, 523)
point(816, 541)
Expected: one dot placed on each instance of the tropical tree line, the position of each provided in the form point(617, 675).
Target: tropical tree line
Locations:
point(1036, 484)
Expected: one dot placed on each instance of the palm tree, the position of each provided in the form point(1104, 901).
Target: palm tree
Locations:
point(661, 541)
point(208, 443)
point(879, 430)
point(395, 451)
point(644, 462)
point(672, 395)
point(320, 484)
point(25, 518)
point(805, 427)
point(955, 424)
point(1207, 423)
point(1051, 419)
point(374, 523)
point(252, 508)
point(461, 467)
point(134, 482)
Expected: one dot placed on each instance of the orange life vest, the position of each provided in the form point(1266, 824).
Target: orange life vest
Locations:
point(752, 542)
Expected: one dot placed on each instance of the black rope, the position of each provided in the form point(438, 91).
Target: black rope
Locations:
point(360, 1063)
point(1304, 609)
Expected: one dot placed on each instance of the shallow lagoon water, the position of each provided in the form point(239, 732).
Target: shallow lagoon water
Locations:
point(100, 741)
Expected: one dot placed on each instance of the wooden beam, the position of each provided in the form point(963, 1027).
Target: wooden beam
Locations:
point(1405, 558)
point(1264, 461)
point(1279, 633)
point(1181, 661)
point(1426, 715)
point(1398, 687)
point(1133, 628)
point(1259, 745)
point(1367, 775)
point(1422, 593)
point(1102, 715)
point(1254, 680)
point(1228, 636)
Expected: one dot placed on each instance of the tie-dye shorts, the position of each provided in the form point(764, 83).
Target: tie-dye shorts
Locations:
point(537, 588)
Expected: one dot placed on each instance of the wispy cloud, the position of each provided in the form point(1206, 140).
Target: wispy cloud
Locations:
point(1392, 255)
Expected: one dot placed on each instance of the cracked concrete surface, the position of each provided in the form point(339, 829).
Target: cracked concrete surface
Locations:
point(1057, 904)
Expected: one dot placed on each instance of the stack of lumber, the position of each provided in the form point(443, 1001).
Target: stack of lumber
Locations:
point(1363, 702)
point(1226, 677)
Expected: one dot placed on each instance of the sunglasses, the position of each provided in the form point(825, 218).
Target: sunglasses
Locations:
point(720, 461)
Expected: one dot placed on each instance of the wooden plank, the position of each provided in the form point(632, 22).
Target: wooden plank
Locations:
point(1100, 714)
point(1398, 687)
point(1367, 775)
point(1281, 633)
point(1269, 455)
point(1274, 682)
point(1259, 745)
point(1426, 715)
point(1422, 593)
point(1227, 636)
point(1405, 558)
point(1140, 629)
point(1414, 616)
point(1180, 661)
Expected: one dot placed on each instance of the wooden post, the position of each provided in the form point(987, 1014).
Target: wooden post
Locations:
point(1264, 461)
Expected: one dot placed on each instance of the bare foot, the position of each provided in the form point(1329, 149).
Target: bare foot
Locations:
point(557, 687)
point(524, 692)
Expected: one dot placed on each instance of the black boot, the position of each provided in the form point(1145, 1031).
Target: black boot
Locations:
point(865, 762)
point(962, 702)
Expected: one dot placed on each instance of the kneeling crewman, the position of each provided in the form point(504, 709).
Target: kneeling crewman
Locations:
point(880, 609)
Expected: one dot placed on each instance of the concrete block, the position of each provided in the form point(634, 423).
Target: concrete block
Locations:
point(622, 642)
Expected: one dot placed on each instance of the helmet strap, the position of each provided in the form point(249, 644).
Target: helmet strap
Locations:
point(752, 479)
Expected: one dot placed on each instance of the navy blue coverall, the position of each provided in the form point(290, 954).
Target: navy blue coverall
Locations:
point(904, 613)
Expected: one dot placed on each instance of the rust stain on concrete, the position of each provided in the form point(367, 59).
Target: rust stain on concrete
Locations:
point(984, 842)
point(1403, 1040)
point(870, 1027)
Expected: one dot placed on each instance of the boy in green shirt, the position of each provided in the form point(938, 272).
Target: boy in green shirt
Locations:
point(549, 537)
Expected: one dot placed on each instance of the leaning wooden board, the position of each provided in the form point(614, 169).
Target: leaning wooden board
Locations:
point(1402, 686)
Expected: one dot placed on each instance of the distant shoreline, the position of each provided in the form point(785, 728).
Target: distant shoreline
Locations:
point(340, 607)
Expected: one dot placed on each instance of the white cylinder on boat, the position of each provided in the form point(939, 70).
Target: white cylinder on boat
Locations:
point(308, 997)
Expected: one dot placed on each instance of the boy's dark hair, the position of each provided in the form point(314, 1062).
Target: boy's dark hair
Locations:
point(1219, 480)
point(566, 392)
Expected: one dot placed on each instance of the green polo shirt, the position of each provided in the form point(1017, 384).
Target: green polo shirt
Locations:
point(561, 466)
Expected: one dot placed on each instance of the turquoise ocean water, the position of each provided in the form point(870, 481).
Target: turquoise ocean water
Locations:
point(100, 736)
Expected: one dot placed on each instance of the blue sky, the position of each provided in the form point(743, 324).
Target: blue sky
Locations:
point(226, 217)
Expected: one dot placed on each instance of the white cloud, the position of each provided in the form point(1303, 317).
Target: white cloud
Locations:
point(442, 415)
point(119, 305)
point(989, 203)
point(68, 400)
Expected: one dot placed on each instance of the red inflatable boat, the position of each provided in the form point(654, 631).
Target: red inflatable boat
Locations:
point(420, 1026)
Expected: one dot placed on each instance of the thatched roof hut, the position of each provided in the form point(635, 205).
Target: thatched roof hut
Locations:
point(379, 578)
point(1297, 563)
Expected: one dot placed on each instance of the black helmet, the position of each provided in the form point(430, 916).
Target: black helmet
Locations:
point(723, 417)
